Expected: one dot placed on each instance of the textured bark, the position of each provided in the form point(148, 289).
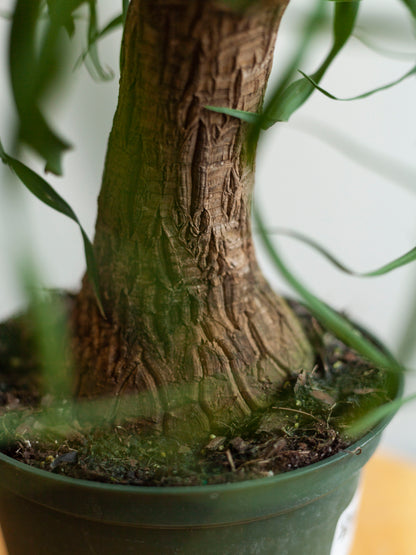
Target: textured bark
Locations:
point(193, 327)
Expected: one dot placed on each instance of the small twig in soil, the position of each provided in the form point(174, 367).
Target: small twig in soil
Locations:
point(357, 451)
point(299, 412)
point(230, 460)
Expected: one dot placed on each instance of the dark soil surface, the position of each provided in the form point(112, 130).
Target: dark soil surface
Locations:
point(307, 422)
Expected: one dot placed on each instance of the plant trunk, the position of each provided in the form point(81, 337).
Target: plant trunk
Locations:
point(193, 331)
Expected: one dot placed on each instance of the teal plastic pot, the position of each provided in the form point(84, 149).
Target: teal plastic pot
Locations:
point(295, 513)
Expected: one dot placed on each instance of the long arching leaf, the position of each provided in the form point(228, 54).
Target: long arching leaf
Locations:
point(363, 95)
point(402, 260)
point(103, 74)
point(111, 26)
point(289, 97)
point(29, 77)
point(45, 193)
point(299, 91)
point(35, 56)
point(331, 320)
point(383, 51)
point(373, 417)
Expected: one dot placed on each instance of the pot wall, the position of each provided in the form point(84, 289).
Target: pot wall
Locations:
point(293, 513)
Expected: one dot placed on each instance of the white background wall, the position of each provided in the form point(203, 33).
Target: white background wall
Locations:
point(307, 180)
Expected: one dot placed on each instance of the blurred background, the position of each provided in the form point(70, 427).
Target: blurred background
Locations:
point(342, 173)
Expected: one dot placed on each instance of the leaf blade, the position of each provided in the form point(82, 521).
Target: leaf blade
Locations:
point(400, 261)
point(125, 5)
point(361, 96)
point(40, 188)
point(248, 117)
point(333, 321)
point(28, 77)
point(373, 417)
point(287, 101)
point(92, 51)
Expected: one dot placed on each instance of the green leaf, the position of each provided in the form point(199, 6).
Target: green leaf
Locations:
point(330, 319)
point(111, 26)
point(363, 95)
point(402, 260)
point(125, 8)
point(248, 117)
point(45, 193)
point(61, 13)
point(49, 316)
point(285, 103)
point(93, 33)
point(290, 100)
point(372, 418)
point(411, 6)
point(36, 58)
point(30, 75)
point(386, 52)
